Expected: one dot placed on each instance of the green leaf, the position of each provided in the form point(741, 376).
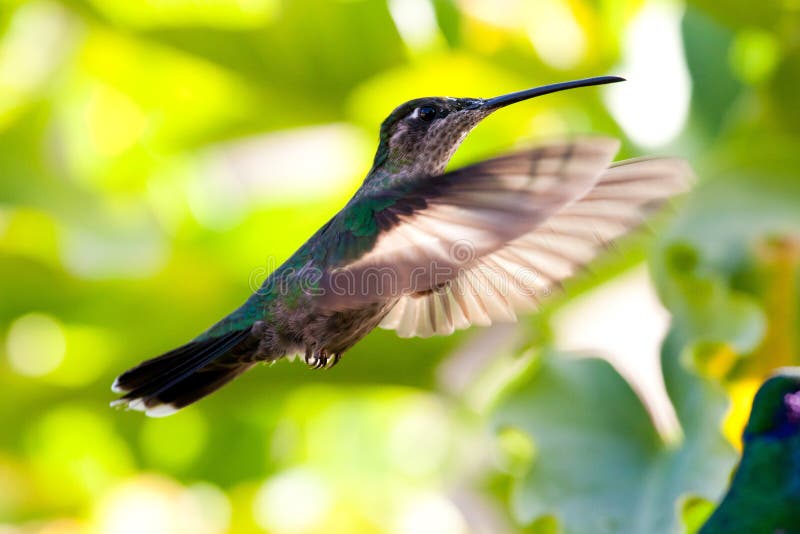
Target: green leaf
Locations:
point(600, 466)
point(714, 87)
point(742, 13)
point(449, 19)
point(705, 307)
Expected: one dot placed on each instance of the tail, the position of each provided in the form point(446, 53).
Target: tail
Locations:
point(165, 384)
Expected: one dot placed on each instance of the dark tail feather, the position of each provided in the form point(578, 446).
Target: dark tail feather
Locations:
point(182, 376)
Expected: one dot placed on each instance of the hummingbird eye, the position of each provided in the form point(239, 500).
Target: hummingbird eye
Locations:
point(426, 113)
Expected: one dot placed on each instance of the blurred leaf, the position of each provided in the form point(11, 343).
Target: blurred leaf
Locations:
point(694, 512)
point(705, 308)
point(306, 49)
point(600, 465)
point(449, 18)
point(714, 87)
point(738, 13)
point(787, 76)
point(217, 13)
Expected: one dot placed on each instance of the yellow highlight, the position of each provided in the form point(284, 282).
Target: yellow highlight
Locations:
point(487, 38)
point(32, 234)
point(115, 122)
point(754, 55)
point(232, 14)
point(742, 393)
point(553, 28)
point(555, 33)
point(63, 526)
point(76, 454)
point(88, 352)
point(720, 361)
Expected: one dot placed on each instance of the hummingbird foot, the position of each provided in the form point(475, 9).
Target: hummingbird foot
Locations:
point(321, 359)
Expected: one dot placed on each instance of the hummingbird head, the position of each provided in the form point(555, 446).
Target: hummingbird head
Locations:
point(776, 407)
point(422, 135)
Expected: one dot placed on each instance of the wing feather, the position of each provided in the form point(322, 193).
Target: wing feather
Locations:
point(419, 233)
point(515, 277)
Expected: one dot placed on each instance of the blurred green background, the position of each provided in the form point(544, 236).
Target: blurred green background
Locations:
point(158, 158)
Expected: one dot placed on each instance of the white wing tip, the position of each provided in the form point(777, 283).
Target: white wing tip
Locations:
point(162, 410)
point(138, 405)
point(116, 388)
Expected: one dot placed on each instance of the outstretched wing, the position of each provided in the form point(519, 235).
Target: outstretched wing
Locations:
point(513, 279)
point(420, 233)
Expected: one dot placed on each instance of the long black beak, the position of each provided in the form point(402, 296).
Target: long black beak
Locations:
point(519, 96)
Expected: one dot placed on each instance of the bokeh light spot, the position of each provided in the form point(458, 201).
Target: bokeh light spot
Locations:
point(34, 44)
point(89, 351)
point(754, 55)
point(36, 344)
point(416, 22)
point(516, 450)
point(556, 34)
point(77, 454)
point(57, 526)
point(295, 501)
point(158, 505)
point(418, 442)
point(653, 104)
point(123, 244)
point(115, 122)
point(32, 234)
point(136, 510)
point(176, 441)
point(430, 514)
point(216, 199)
point(16, 487)
point(208, 509)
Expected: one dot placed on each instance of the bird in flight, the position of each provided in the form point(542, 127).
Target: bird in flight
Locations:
point(422, 251)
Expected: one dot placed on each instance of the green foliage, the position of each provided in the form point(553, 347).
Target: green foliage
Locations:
point(158, 159)
point(600, 465)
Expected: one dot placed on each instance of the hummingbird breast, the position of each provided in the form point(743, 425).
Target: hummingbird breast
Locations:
point(306, 328)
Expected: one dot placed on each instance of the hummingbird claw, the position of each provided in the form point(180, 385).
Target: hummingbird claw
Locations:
point(334, 360)
point(310, 358)
point(321, 359)
point(316, 360)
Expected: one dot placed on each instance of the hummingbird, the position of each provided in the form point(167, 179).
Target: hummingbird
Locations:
point(423, 251)
point(764, 494)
